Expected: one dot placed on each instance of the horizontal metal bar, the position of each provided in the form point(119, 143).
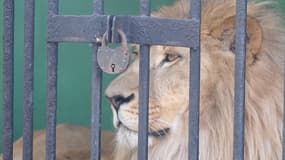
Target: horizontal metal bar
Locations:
point(140, 30)
point(76, 28)
point(29, 82)
point(240, 61)
point(8, 78)
point(157, 31)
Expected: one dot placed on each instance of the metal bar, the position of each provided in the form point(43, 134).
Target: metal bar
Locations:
point(98, 7)
point(143, 30)
point(52, 89)
point(96, 108)
point(8, 79)
point(143, 103)
point(145, 7)
point(143, 90)
point(283, 147)
point(239, 115)
point(28, 77)
point(96, 95)
point(76, 28)
point(194, 85)
point(157, 31)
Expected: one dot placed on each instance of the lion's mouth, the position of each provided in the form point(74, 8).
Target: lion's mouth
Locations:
point(157, 134)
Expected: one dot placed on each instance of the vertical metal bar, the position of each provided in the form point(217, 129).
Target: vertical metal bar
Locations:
point(283, 136)
point(98, 6)
point(8, 79)
point(194, 87)
point(283, 147)
point(96, 108)
point(28, 77)
point(96, 94)
point(52, 89)
point(143, 90)
point(239, 117)
point(143, 103)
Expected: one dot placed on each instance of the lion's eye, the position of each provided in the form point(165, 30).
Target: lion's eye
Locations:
point(171, 57)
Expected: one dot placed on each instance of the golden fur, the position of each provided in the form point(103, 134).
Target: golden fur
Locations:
point(73, 143)
point(168, 107)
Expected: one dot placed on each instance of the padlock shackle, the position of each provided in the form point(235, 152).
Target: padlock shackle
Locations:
point(104, 40)
point(124, 40)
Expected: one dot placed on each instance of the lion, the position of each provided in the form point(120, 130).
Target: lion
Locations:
point(169, 87)
point(73, 143)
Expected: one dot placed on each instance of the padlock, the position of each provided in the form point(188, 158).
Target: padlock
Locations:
point(114, 61)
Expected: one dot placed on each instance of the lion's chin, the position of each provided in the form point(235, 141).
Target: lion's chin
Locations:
point(129, 138)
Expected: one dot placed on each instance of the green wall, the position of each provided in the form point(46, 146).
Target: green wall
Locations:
point(74, 70)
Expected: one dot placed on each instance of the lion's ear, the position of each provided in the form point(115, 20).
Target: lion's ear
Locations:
point(225, 32)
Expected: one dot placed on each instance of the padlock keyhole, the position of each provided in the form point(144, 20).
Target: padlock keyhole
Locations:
point(113, 67)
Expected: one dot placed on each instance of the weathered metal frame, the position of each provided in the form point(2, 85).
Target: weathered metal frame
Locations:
point(8, 79)
point(142, 30)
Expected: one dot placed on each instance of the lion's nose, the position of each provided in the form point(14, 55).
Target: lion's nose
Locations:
point(118, 100)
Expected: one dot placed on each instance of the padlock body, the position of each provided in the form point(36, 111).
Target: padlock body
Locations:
point(113, 60)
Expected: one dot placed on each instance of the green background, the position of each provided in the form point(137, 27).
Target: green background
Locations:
point(74, 71)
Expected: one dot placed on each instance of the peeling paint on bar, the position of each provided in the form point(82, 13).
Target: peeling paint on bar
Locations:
point(28, 80)
point(241, 9)
point(8, 79)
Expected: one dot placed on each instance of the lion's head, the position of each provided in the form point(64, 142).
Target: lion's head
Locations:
point(169, 87)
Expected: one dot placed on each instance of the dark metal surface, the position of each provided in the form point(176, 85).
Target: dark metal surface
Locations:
point(96, 93)
point(145, 30)
point(239, 117)
point(283, 146)
point(143, 89)
point(52, 89)
point(28, 78)
point(194, 89)
point(8, 79)
point(51, 101)
point(143, 102)
point(96, 107)
point(98, 7)
point(76, 28)
point(157, 31)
